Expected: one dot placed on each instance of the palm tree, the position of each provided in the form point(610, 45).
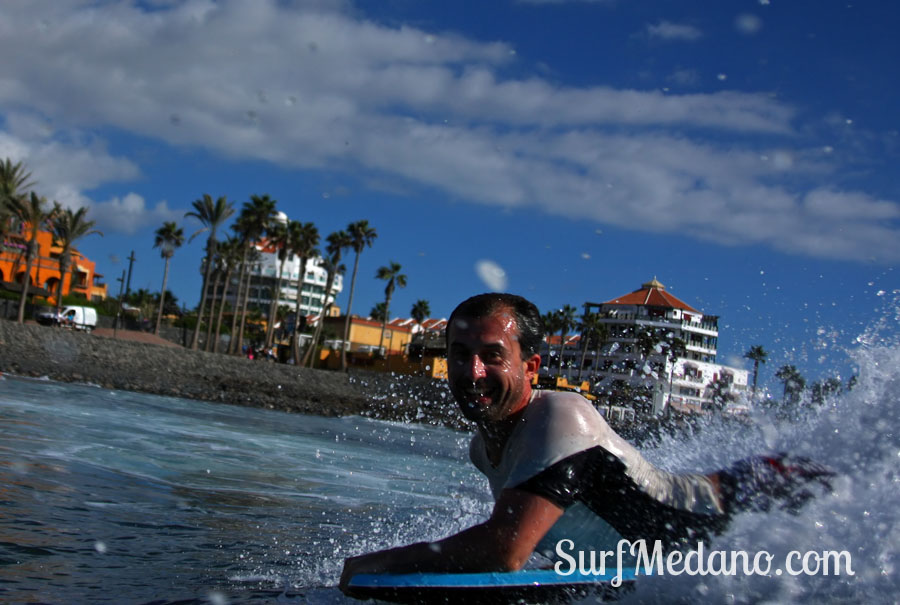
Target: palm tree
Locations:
point(33, 212)
point(676, 348)
point(649, 342)
point(240, 227)
point(256, 216)
point(602, 337)
point(304, 239)
point(140, 299)
point(231, 257)
point(551, 322)
point(218, 270)
point(420, 312)
point(68, 228)
point(391, 274)
point(593, 333)
point(377, 311)
point(5, 218)
point(758, 355)
point(279, 238)
point(250, 260)
point(212, 215)
point(14, 181)
point(361, 236)
point(567, 322)
point(822, 390)
point(793, 381)
point(168, 238)
point(337, 243)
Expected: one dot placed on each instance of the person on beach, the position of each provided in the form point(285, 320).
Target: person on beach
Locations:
point(556, 469)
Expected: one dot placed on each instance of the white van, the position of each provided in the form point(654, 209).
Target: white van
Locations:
point(80, 318)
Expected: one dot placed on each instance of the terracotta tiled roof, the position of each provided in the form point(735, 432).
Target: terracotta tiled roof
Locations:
point(429, 324)
point(555, 339)
point(435, 324)
point(652, 294)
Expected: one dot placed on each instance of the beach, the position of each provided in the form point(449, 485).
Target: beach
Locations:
point(136, 361)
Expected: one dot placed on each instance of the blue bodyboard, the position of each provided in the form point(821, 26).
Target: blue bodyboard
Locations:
point(531, 585)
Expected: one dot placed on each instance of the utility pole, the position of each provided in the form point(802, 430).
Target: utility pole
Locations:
point(131, 260)
point(121, 281)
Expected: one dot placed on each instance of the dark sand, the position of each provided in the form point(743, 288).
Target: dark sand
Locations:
point(137, 361)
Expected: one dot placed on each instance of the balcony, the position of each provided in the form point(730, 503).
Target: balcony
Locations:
point(690, 378)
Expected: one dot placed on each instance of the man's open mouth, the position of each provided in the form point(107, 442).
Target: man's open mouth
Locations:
point(478, 395)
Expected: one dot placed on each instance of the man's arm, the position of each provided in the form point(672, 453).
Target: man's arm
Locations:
point(502, 543)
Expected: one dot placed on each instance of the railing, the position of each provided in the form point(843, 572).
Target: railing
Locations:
point(689, 378)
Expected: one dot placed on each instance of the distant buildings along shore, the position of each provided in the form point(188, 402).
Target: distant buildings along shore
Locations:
point(656, 346)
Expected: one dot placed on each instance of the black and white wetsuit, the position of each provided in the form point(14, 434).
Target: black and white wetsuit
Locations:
point(564, 450)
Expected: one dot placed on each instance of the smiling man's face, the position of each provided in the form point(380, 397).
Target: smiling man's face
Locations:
point(488, 376)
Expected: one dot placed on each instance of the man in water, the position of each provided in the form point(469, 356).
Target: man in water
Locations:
point(558, 471)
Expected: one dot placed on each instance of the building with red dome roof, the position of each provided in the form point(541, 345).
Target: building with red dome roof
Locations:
point(657, 347)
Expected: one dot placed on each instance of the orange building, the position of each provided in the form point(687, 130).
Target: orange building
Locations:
point(82, 277)
point(366, 336)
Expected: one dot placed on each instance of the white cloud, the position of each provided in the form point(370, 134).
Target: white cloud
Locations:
point(666, 30)
point(319, 86)
point(492, 275)
point(64, 166)
point(130, 213)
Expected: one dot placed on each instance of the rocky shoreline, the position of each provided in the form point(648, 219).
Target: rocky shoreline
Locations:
point(71, 356)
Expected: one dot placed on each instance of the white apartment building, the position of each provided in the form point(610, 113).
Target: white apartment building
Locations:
point(312, 291)
point(311, 280)
point(641, 328)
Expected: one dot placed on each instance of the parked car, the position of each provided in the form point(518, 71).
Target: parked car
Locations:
point(72, 316)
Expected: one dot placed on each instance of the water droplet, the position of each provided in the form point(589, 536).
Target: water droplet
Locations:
point(216, 598)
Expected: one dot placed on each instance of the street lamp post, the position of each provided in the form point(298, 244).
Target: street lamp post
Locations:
point(121, 281)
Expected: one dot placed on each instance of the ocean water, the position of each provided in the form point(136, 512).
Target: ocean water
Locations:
point(114, 497)
point(117, 497)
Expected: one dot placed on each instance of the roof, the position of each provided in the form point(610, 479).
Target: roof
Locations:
point(555, 339)
point(431, 324)
point(435, 324)
point(652, 294)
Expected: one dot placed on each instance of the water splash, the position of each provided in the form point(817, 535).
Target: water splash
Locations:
point(856, 433)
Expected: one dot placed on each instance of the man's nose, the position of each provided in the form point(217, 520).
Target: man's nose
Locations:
point(475, 368)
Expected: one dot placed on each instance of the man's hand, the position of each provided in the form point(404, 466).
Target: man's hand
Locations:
point(760, 482)
point(376, 562)
point(502, 543)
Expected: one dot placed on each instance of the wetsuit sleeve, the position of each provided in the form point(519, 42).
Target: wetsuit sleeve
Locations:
point(561, 483)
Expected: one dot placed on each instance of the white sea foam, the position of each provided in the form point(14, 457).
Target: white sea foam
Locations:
point(855, 433)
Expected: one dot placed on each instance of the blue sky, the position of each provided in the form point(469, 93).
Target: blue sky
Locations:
point(744, 153)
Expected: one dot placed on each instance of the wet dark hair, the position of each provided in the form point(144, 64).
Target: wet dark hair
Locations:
point(528, 318)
